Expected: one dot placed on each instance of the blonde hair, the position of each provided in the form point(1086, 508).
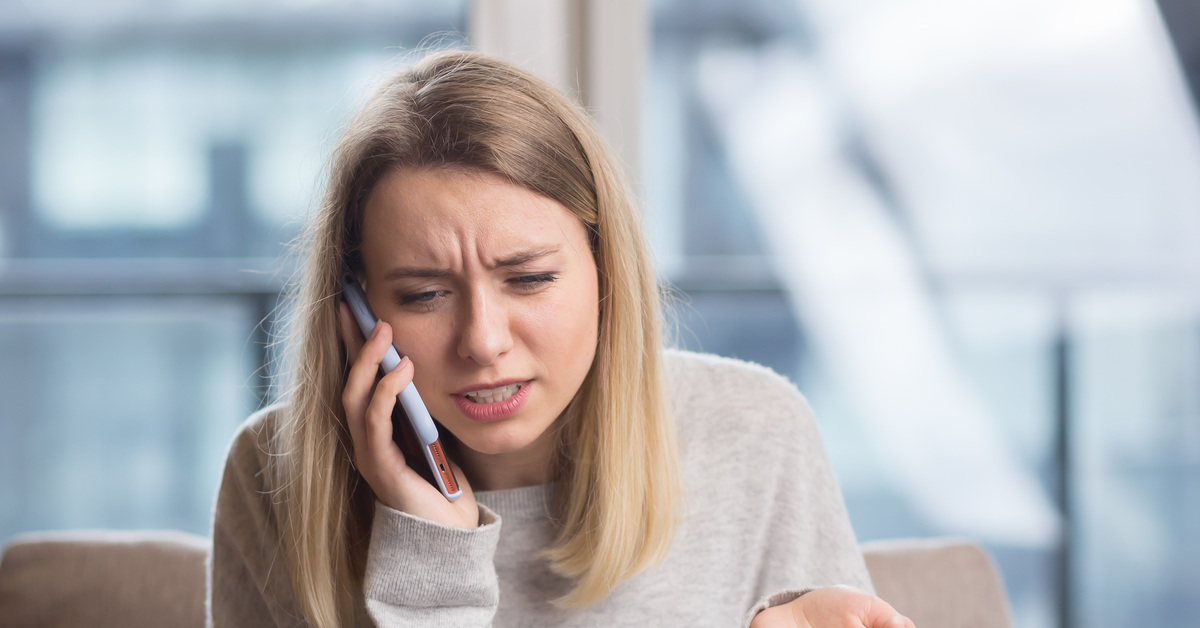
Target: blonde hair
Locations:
point(618, 480)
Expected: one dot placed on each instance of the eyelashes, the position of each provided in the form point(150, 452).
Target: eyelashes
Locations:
point(533, 282)
point(419, 298)
point(523, 284)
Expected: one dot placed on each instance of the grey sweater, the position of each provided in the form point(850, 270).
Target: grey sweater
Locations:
point(763, 522)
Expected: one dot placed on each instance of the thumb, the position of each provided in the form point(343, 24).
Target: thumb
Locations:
point(880, 614)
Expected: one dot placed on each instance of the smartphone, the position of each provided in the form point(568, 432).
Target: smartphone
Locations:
point(418, 416)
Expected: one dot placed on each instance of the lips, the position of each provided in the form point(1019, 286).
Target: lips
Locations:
point(493, 403)
point(492, 395)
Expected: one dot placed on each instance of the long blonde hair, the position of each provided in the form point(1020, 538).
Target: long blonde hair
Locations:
point(618, 472)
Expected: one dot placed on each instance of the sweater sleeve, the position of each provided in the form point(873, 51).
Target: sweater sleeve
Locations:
point(811, 543)
point(418, 573)
point(421, 573)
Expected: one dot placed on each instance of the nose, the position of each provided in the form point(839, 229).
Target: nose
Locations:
point(484, 335)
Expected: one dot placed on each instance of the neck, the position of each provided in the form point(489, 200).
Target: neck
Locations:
point(528, 466)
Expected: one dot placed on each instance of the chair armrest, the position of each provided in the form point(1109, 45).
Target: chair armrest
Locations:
point(939, 583)
point(104, 578)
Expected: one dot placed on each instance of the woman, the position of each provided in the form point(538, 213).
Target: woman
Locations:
point(605, 481)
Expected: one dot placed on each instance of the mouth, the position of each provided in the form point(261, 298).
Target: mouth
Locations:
point(495, 403)
point(493, 395)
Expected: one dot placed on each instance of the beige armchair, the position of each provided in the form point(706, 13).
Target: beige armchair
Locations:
point(129, 579)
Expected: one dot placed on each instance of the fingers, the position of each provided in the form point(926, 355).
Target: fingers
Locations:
point(893, 621)
point(377, 429)
point(360, 381)
point(880, 614)
point(369, 406)
point(844, 606)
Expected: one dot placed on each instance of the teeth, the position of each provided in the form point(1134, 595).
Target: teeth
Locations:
point(493, 395)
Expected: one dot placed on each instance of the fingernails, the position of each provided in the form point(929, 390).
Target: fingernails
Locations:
point(375, 331)
point(404, 361)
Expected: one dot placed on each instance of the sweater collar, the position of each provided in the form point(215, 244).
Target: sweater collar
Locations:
point(529, 502)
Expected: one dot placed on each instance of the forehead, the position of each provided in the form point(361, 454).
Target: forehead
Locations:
point(434, 215)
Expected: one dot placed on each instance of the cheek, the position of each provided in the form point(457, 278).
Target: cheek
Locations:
point(566, 333)
point(423, 343)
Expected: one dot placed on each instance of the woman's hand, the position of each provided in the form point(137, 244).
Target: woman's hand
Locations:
point(832, 607)
point(368, 406)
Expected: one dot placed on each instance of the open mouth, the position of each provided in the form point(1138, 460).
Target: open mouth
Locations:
point(493, 395)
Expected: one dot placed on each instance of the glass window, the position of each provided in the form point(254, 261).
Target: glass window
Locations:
point(155, 161)
point(949, 206)
point(117, 410)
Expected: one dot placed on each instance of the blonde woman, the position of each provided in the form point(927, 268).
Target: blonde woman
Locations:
point(606, 481)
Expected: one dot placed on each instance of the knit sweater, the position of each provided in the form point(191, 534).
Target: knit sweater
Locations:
point(763, 522)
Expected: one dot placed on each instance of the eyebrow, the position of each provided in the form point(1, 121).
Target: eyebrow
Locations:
point(517, 259)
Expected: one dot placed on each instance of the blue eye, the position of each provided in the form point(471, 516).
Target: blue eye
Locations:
point(532, 282)
point(420, 298)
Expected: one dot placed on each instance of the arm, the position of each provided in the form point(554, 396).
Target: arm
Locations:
point(421, 573)
point(248, 581)
point(412, 578)
point(430, 561)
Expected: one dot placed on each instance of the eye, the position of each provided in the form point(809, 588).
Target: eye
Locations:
point(532, 282)
point(421, 299)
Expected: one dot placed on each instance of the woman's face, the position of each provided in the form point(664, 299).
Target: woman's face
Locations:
point(492, 291)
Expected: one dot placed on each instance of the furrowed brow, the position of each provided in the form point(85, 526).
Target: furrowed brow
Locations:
point(410, 273)
point(524, 257)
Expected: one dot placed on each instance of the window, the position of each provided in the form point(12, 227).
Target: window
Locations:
point(156, 161)
point(968, 231)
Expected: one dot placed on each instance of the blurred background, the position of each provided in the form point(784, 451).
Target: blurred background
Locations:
point(969, 232)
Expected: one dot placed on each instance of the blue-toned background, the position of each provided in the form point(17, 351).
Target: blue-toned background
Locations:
point(969, 231)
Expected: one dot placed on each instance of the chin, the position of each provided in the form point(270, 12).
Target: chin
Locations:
point(494, 441)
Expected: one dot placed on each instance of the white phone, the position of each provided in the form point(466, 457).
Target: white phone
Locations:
point(418, 415)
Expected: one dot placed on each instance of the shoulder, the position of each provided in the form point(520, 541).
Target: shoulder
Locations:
point(246, 478)
point(680, 361)
point(706, 378)
point(749, 444)
point(719, 397)
point(245, 507)
point(248, 580)
point(253, 443)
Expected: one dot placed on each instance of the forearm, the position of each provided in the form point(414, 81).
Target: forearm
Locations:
point(428, 574)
